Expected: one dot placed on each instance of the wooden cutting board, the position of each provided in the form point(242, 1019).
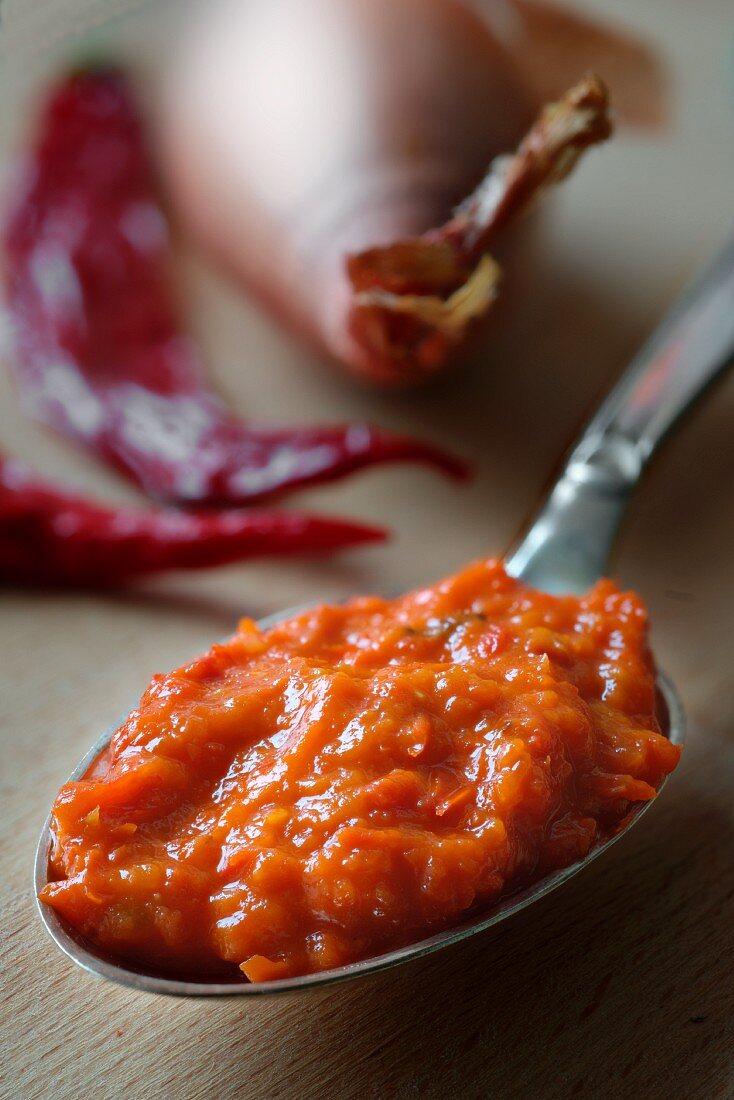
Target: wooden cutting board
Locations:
point(622, 984)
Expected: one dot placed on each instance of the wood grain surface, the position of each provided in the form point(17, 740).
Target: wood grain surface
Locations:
point(621, 985)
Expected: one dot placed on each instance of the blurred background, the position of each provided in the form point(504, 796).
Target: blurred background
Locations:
point(585, 281)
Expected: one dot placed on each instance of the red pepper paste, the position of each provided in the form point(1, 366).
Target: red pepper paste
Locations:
point(359, 777)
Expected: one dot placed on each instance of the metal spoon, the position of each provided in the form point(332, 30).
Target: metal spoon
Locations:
point(565, 550)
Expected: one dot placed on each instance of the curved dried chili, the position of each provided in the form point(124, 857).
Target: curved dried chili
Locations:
point(100, 352)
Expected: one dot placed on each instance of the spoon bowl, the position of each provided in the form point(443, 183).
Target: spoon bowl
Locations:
point(90, 958)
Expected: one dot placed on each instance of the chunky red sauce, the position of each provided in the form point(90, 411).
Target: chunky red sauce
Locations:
point(359, 777)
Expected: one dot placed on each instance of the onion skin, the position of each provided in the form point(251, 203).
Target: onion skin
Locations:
point(299, 133)
point(415, 300)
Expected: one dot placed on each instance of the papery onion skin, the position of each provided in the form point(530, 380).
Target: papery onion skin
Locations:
point(296, 132)
point(416, 300)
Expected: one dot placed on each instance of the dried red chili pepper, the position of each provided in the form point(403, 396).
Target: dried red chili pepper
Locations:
point(49, 537)
point(100, 353)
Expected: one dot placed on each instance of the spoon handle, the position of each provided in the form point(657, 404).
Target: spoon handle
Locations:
point(568, 545)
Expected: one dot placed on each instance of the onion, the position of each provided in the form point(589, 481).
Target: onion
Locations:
point(318, 148)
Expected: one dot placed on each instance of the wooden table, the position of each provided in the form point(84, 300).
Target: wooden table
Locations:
point(622, 984)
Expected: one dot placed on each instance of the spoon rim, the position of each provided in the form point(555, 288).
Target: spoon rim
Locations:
point(77, 950)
